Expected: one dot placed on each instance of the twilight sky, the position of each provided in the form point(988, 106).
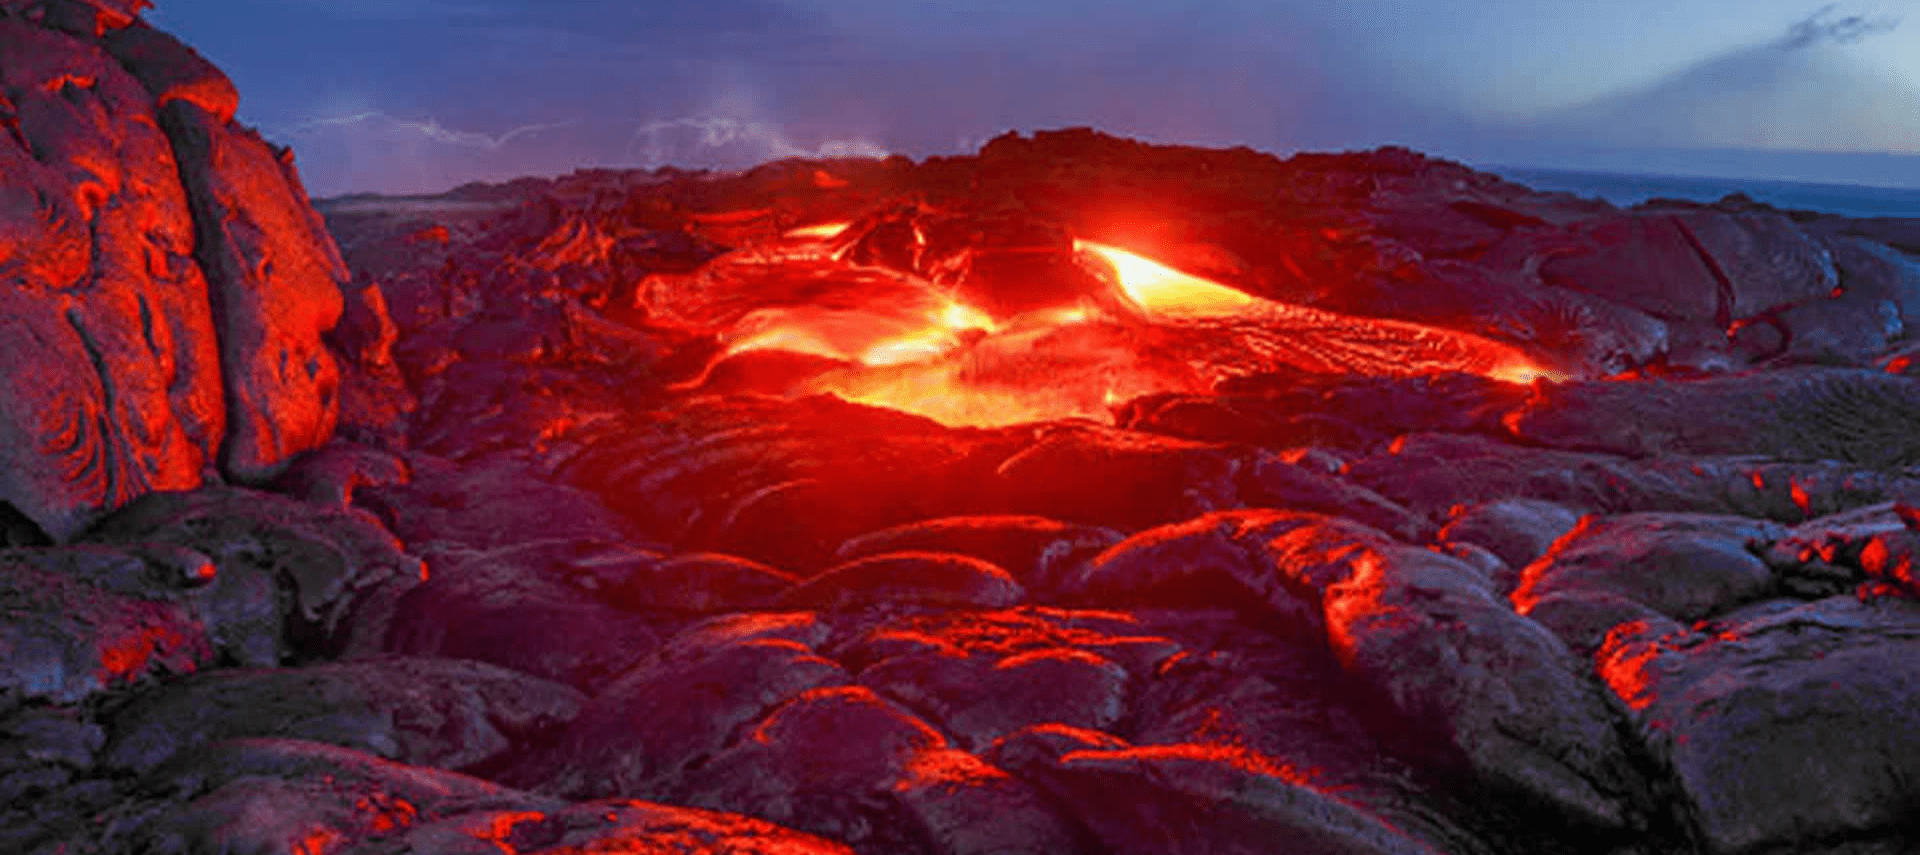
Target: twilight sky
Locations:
point(422, 95)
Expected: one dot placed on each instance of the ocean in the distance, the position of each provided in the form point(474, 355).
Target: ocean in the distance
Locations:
point(1852, 200)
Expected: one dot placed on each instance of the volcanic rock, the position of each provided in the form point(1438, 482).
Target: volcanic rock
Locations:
point(861, 790)
point(1381, 609)
point(1208, 800)
point(647, 728)
point(783, 483)
point(43, 749)
point(283, 795)
point(171, 71)
point(606, 826)
point(1431, 473)
point(1766, 262)
point(1275, 483)
point(329, 475)
point(1685, 566)
point(1782, 726)
point(1699, 267)
point(703, 583)
point(1119, 479)
point(275, 279)
point(1517, 531)
point(1416, 512)
point(530, 607)
point(907, 578)
point(1355, 601)
point(145, 351)
point(374, 398)
point(79, 622)
point(439, 713)
point(1848, 329)
point(1879, 272)
point(1796, 414)
point(994, 636)
point(488, 504)
point(117, 390)
point(288, 578)
point(1037, 551)
point(980, 699)
point(1294, 409)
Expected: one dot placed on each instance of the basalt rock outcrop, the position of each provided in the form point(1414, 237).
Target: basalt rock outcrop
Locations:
point(632, 511)
point(166, 282)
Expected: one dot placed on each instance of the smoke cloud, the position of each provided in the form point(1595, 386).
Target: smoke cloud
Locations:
point(1822, 27)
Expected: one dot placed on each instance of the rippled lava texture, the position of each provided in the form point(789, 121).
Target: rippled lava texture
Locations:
point(874, 506)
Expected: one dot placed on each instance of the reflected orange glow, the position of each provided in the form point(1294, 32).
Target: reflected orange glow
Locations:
point(948, 769)
point(1240, 758)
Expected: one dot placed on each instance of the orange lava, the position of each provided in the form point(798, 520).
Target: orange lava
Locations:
point(820, 231)
point(913, 346)
point(1628, 662)
point(319, 841)
point(1162, 291)
point(500, 827)
point(126, 657)
point(1307, 338)
point(864, 336)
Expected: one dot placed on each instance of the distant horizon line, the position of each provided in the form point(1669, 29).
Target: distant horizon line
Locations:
point(1567, 157)
point(1611, 173)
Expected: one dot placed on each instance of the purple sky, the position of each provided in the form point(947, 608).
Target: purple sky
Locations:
point(421, 95)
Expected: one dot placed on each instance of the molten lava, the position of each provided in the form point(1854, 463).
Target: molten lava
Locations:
point(1250, 334)
point(868, 336)
point(820, 231)
point(900, 341)
point(1163, 291)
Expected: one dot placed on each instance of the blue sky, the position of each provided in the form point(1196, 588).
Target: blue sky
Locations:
point(420, 95)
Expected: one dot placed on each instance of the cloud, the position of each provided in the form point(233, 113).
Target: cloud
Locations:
point(1822, 27)
point(1807, 90)
point(373, 150)
point(715, 140)
point(430, 129)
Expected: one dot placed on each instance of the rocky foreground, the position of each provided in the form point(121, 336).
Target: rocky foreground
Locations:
point(488, 536)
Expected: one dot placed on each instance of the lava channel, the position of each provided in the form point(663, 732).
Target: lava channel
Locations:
point(906, 344)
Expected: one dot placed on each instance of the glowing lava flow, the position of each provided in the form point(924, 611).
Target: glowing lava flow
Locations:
point(899, 341)
point(866, 336)
point(1243, 334)
point(821, 231)
point(1163, 291)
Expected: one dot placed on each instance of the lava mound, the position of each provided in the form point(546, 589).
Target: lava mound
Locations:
point(1079, 496)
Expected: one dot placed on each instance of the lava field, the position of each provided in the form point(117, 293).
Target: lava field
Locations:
point(1078, 496)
